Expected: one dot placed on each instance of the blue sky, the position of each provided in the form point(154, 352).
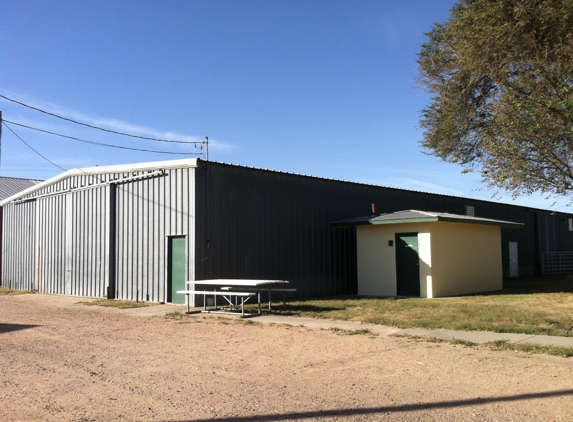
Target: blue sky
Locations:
point(324, 88)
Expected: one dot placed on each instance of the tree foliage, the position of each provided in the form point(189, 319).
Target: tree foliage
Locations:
point(501, 75)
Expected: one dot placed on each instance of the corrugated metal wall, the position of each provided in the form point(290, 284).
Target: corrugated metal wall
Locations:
point(65, 240)
point(149, 210)
point(19, 245)
point(239, 223)
point(267, 225)
point(255, 223)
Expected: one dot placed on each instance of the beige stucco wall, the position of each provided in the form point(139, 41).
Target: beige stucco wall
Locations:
point(466, 258)
point(455, 258)
point(377, 261)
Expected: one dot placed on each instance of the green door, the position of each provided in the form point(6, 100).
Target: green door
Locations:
point(175, 268)
point(407, 264)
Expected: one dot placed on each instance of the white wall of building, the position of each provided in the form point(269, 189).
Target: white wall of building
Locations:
point(455, 258)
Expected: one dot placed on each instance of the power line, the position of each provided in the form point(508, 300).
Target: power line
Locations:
point(97, 127)
point(101, 143)
point(28, 145)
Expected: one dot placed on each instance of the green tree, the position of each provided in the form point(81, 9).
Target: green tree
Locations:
point(501, 77)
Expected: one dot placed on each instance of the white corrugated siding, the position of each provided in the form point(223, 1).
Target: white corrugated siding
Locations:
point(73, 233)
point(60, 244)
point(147, 211)
point(18, 246)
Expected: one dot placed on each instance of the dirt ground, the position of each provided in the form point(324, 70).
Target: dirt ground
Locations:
point(94, 364)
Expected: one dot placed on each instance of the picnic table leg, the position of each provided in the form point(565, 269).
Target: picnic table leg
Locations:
point(269, 299)
point(204, 302)
point(259, 299)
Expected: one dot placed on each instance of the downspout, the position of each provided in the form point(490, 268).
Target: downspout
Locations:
point(111, 288)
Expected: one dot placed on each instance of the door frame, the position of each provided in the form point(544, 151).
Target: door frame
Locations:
point(397, 237)
point(168, 237)
point(513, 255)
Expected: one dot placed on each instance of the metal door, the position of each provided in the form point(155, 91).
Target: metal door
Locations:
point(175, 268)
point(407, 265)
point(513, 261)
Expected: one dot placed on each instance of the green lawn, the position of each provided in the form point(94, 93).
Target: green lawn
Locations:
point(531, 305)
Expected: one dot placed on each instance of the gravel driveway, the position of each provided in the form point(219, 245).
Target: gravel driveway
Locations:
point(92, 364)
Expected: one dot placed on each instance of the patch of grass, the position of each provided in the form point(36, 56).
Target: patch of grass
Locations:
point(116, 303)
point(342, 331)
point(361, 331)
point(7, 291)
point(175, 315)
point(529, 305)
point(564, 352)
point(465, 343)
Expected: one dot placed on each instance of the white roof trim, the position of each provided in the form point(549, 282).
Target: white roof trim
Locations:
point(120, 168)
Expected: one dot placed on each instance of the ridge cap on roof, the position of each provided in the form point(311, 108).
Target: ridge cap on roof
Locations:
point(114, 168)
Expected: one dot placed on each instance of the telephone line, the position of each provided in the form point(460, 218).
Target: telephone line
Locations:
point(99, 143)
point(29, 146)
point(97, 127)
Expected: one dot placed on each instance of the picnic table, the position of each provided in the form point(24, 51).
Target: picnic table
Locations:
point(238, 289)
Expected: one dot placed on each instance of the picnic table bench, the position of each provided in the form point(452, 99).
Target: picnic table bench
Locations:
point(226, 295)
point(234, 288)
point(270, 290)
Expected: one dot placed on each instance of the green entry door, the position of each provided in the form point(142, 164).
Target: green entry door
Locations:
point(175, 268)
point(407, 264)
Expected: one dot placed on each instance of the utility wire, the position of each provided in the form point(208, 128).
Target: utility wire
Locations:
point(28, 145)
point(96, 127)
point(100, 143)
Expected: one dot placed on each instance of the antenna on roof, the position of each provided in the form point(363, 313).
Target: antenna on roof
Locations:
point(206, 142)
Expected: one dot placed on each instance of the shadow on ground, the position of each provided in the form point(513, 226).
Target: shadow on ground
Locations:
point(6, 328)
point(385, 409)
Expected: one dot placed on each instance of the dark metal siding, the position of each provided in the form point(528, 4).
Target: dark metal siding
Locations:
point(254, 223)
point(267, 225)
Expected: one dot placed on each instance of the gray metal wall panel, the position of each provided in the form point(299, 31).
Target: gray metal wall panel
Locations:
point(88, 251)
point(72, 249)
point(148, 211)
point(60, 244)
point(18, 246)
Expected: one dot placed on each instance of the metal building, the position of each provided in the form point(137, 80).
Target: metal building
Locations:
point(10, 186)
point(139, 231)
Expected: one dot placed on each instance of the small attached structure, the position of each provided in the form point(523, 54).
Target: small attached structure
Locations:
point(428, 254)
